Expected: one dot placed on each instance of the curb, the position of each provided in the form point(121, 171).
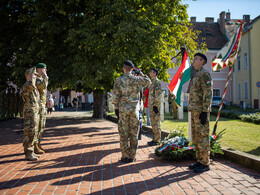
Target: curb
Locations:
point(242, 158)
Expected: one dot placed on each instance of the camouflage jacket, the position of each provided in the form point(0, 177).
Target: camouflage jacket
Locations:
point(42, 84)
point(155, 93)
point(127, 91)
point(200, 91)
point(30, 95)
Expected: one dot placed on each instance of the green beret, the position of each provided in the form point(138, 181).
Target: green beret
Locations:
point(41, 65)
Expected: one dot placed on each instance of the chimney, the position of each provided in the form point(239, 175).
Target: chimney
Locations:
point(228, 16)
point(209, 20)
point(222, 22)
point(246, 19)
point(193, 19)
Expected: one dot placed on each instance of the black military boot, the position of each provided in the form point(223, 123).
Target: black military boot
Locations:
point(153, 143)
point(125, 160)
point(195, 165)
point(202, 168)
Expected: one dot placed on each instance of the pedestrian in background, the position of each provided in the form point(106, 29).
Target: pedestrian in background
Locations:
point(200, 97)
point(126, 100)
point(154, 104)
point(55, 103)
point(62, 102)
point(50, 104)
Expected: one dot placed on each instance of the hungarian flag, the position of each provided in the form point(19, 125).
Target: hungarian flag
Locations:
point(228, 54)
point(180, 78)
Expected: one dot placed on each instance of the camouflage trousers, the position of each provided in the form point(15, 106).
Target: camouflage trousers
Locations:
point(156, 124)
point(42, 121)
point(31, 123)
point(128, 127)
point(200, 138)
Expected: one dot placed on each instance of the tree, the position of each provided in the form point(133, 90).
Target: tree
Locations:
point(11, 38)
point(146, 32)
point(84, 43)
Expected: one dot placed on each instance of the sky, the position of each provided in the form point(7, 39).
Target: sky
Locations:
point(212, 8)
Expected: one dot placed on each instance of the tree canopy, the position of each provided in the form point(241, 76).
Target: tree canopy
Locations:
point(84, 43)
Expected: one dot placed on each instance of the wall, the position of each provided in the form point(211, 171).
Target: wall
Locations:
point(255, 59)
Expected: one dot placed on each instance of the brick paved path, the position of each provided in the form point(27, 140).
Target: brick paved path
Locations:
point(83, 158)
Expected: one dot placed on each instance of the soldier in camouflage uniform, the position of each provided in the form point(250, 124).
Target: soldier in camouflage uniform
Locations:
point(173, 105)
point(41, 84)
point(200, 98)
point(31, 100)
point(126, 100)
point(154, 104)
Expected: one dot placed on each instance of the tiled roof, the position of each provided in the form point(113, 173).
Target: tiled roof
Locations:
point(211, 32)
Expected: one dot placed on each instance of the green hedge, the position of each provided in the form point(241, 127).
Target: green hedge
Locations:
point(227, 114)
point(253, 118)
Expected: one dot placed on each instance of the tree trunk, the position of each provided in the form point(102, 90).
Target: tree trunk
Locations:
point(99, 105)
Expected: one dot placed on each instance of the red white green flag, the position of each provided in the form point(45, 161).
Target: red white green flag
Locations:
point(180, 78)
point(228, 54)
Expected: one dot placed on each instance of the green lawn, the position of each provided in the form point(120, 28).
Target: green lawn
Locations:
point(239, 135)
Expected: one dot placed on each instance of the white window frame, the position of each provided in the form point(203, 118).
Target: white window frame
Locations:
point(238, 64)
point(246, 92)
point(219, 91)
point(245, 61)
point(239, 91)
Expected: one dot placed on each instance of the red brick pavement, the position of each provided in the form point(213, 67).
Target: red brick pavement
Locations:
point(83, 158)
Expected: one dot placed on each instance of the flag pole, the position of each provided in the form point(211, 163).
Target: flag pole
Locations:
point(221, 104)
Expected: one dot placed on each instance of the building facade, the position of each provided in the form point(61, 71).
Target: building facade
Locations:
point(246, 73)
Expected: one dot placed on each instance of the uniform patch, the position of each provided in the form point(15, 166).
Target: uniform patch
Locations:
point(208, 82)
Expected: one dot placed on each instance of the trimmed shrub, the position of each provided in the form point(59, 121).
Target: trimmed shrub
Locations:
point(252, 118)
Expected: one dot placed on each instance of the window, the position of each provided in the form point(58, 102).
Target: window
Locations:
point(216, 92)
point(239, 91)
point(246, 90)
point(245, 61)
point(238, 63)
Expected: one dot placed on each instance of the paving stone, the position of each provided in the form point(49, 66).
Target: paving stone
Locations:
point(83, 157)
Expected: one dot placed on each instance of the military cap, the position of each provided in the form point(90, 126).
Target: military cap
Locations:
point(30, 71)
point(203, 56)
point(41, 65)
point(155, 70)
point(129, 63)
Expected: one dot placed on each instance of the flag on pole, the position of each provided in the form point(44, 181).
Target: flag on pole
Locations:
point(227, 57)
point(228, 54)
point(180, 78)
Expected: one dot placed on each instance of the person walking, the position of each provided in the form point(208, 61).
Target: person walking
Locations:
point(126, 101)
point(41, 84)
point(50, 104)
point(200, 97)
point(154, 104)
point(31, 100)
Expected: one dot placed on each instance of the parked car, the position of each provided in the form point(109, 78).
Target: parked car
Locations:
point(216, 101)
